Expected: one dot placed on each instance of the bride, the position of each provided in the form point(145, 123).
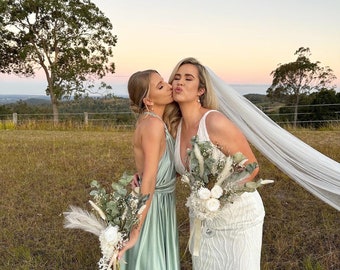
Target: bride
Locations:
point(233, 239)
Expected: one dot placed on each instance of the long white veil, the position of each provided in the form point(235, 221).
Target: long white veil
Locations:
point(316, 172)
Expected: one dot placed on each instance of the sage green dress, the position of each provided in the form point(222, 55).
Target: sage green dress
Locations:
point(157, 246)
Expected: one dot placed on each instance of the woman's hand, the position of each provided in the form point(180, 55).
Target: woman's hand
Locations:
point(135, 182)
point(129, 244)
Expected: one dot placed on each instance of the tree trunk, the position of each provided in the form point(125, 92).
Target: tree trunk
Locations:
point(54, 99)
point(296, 109)
point(54, 102)
point(55, 112)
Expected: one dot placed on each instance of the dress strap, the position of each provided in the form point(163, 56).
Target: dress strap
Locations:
point(157, 116)
point(154, 115)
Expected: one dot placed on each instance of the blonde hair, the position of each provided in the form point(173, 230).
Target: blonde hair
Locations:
point(171, 117)
point(208, 99)
point(139, 87)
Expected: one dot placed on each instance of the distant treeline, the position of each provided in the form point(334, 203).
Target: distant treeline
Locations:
point(314, 109)
point(108, 103)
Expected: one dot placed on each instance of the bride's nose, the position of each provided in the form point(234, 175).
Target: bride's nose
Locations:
point(179, 82)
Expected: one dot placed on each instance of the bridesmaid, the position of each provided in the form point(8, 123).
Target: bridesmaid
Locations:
point(153, 243)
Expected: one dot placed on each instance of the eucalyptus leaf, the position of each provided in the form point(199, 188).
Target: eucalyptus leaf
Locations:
point(117, 186)
point(238, 157)
point(252, 185)
point(93, 192)
point(251, 167)
point(95, 184)
point(125, 179)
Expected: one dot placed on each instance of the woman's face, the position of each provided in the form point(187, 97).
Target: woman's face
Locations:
point(185, 84)
point(160, 91)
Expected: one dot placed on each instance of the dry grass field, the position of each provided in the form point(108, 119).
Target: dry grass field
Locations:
point(42, 172)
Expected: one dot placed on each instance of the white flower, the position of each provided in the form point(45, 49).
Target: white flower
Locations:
point(100, 211)
point(185, 179)
point(267, 181)
point(212, 204)
point(141, 209)
point(111, 234)
point(204, 193)
point(216, 192)
point(133, 201)
point(109, 240)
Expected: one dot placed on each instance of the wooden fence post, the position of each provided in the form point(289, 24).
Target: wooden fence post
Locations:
point(86, 118)
point(15, 119)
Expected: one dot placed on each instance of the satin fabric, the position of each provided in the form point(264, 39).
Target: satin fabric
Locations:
point(232, 240)
point(157, 246)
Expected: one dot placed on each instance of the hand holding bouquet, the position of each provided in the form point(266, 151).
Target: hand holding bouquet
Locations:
point(116, 213)
point(216, 179)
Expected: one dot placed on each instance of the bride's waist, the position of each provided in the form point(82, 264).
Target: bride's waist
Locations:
point(246, 209)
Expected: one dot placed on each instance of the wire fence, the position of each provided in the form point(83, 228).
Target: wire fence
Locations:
point(307, 115)
point(316, 114)
point(118, 120)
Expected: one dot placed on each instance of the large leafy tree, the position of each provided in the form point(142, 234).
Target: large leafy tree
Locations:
point(302, 76)
point(70, 40)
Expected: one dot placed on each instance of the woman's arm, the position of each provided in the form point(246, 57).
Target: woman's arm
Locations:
point(229, 138)
point(152, 145)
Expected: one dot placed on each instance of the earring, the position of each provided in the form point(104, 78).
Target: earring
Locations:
point(198, 100)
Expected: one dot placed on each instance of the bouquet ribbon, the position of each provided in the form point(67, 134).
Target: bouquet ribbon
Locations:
point(195, 237)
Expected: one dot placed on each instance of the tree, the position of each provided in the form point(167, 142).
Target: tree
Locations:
point(330, 109)
point(300, 77)
point(70, 40)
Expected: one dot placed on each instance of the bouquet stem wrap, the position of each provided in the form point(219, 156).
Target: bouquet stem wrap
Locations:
point(195, 237)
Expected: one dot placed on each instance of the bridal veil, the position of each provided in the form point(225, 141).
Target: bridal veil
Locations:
point(314, 171)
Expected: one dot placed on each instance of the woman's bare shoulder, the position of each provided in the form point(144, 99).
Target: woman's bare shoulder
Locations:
point(150, 125)
point(221, 128)
point(217, 120)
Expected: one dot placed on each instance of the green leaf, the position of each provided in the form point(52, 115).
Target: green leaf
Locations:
point(251, 167)
point(95, 184)
point(238, 157)
point(251, 185)
point(125, 179)
point(120, 189)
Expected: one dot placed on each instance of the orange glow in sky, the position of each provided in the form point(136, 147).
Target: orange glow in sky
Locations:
point(242, 41)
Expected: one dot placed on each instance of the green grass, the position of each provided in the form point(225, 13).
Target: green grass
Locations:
point(42, 172)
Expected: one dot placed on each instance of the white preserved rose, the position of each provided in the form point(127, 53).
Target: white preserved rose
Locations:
point(111, 234)
point(212, 204)
point(109, 238)
point(216, 192)
point(204, 193)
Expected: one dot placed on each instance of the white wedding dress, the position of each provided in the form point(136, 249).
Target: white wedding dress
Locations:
point(233, 240)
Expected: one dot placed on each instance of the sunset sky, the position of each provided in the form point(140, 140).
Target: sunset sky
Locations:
point(242, 41)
